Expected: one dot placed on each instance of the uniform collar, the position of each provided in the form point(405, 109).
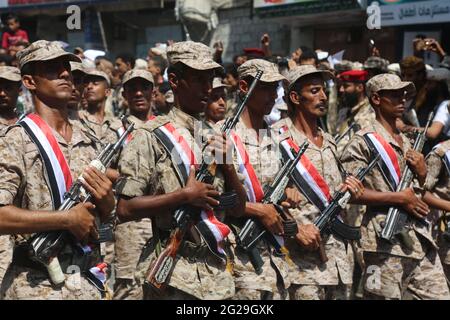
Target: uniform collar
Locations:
point(93, 119)
point(381, 130)
point(79, 135)
point(360, 106)
point(182, 119)
point(300, 137)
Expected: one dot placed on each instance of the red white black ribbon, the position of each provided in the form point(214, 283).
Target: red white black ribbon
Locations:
point(255, 192)
point(121, 130)
point(97, 276)
point(212, 230)
point(306, 176)
point(56, 167)
point(389, 164)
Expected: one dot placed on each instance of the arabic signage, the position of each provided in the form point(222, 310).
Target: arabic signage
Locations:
point(395, 13)
point(272, 8)
point(273, 3)
point(40, 3)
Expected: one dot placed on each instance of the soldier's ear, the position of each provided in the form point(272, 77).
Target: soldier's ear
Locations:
point(375, 99)
point(173, 81)
point(243, 86)
point(108, 91)
point(360, 87)
point(294, 97)
point(28, 82)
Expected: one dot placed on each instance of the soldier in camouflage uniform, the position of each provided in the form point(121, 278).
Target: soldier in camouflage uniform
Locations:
point(438, 198)
point(102, 127)
point(217, 104)
point(375, 66)
point(78, 74)
point(150, 186)
point(353, 97)
point(10, 82)
point(96, 92)
point(25, 196)
point(312, 277)
point(255, 136)
point(130, 237)
point(408, 267)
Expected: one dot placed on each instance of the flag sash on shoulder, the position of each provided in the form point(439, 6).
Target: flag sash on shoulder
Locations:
point(212, 230)
point(121, 130)
point(306, 176)
point(389, 164)
point(56, 167)
point(255, 191)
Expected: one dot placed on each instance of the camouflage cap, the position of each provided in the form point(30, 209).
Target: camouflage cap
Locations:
point(76, 66)
point(98, 73)
point(300, 71)
point(10, 74)
point(376, 63)
point(138, 73)
point(195, 55)
point(269, 69)
point(387, 81)
point(344, 65)
point(43, 50)
point(217, 83)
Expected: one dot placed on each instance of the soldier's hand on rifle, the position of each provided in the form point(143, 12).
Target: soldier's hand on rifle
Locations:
point(308, 236)
point(98, 184)
point(220, 147)
point(269, 217)
point(416, 162)
point(413, 205)
point(293, 197)
point(81, 222)
point(354, 186)
point(200, 194)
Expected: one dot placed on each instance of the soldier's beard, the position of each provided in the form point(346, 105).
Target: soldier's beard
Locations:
point(349, 100)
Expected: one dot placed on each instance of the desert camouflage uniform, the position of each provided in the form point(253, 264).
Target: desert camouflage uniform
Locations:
point(147, 169)
point(106, 131)
point(312, 279)
point(393, 271)
point(438, 182)
point(130, 238)
point(362, 114)
point(23, 184)
point(6, 244)
point(273, 282)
